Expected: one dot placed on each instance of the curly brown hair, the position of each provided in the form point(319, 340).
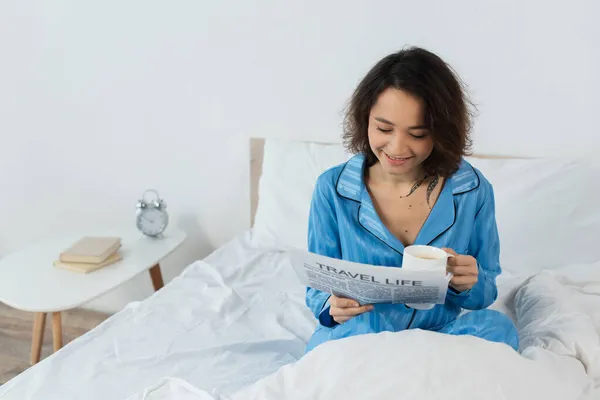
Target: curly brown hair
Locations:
point(448, 113)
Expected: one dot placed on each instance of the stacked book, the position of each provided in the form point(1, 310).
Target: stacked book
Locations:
point(89, 254)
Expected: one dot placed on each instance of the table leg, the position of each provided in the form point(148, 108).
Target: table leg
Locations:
point(156, 276)
point(39, 324)
point(56, 331)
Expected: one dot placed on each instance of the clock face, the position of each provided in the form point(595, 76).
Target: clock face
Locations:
point(152, 221)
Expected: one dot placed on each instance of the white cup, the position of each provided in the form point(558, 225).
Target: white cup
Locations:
point(427, 258)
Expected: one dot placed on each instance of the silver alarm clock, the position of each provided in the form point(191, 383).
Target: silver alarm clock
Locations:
point(151, 216)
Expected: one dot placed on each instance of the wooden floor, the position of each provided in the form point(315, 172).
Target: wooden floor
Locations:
point(15, 336)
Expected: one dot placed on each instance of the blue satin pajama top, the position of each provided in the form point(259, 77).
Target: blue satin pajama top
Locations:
point(344, 224)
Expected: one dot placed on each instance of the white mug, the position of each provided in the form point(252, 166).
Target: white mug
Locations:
point(428, 258)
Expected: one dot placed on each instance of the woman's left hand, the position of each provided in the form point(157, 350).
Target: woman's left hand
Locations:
point(464, 270)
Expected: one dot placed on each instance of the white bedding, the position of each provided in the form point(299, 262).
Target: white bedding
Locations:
point(558, 316)
point(231, 321)
point(558, 312)
point(413, 364)
point(226, 322)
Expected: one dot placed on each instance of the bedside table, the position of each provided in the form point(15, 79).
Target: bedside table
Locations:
point(30, 282)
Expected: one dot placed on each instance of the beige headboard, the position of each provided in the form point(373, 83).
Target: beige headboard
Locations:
point(256, 160)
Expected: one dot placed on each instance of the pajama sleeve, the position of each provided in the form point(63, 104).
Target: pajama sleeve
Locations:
point(484, 245)
point(323, 239)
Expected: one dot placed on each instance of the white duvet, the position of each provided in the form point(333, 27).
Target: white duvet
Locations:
point(234, 327)
point(225, 322)
point(558, 317)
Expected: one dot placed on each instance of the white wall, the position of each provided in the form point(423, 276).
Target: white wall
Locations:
point(100, 100)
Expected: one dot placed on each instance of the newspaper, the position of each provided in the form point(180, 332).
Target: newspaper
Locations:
point(369, 284)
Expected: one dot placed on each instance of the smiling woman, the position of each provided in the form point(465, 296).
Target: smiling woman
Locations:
point(408, 123)
point(411, 95)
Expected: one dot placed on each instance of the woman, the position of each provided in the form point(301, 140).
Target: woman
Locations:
point(408, 123)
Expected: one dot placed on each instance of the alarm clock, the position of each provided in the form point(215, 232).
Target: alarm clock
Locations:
point(151, 216)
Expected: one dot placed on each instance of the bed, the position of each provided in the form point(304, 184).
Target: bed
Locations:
point(233, 326)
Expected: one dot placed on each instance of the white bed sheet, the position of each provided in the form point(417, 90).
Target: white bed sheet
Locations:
point(558, 317)
point(223, 324)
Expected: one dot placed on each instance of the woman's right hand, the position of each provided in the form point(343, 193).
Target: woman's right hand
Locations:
point(342, 309)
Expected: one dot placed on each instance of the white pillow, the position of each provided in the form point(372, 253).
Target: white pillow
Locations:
point(289, 173)
point(548, 211)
